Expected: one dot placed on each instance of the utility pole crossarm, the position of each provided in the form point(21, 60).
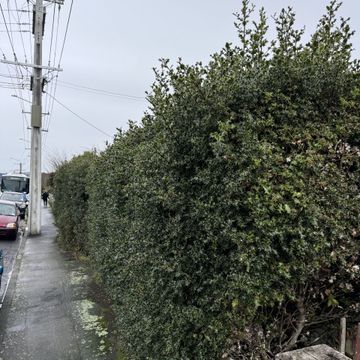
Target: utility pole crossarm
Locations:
point(36, 66)
point(60, 2)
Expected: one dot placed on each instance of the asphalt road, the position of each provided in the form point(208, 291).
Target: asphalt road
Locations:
point(10, 250)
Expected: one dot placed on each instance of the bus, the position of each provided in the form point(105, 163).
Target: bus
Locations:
point(15, 182)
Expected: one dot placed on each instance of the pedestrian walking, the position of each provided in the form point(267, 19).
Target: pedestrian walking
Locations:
point(45, 196)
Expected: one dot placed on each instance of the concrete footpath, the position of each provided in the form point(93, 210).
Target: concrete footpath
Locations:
point(53, 309)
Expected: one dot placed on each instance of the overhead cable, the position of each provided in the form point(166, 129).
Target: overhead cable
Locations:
point(99, 91)
point(7, 31)
point(66, 31)
point(30, 31)
point(81, 118)
point(53, 86)
point(52, 35)
point(21, 31)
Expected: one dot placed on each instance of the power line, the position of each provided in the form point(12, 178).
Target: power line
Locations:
point(80, 117)
point(30, 30)
point(99, 91)
point(52, 35)
point(9, 83)
point(15, 23)
point(14, 31)
point(23, 11)
point(7, 31)
point(19, 86)
point(11, 76)
point(66, 31)
point(53, 86)
point(10, 86)
point(9, 15)
point(22, 38)
point(47, 98)
point(19, 24)
point(57, 34)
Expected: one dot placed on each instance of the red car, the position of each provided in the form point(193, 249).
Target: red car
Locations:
point(18, 198)
point(9, 219)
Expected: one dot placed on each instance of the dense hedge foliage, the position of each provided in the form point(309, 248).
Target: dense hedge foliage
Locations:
point(70, 207)
point(227, 223)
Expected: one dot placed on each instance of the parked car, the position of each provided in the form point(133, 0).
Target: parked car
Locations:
point(19, 198)
point(9, 219)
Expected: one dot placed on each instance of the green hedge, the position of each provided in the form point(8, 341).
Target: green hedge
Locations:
point(230, 215)
point(71, 200)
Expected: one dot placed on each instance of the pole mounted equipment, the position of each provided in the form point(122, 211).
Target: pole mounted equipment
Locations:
point(60, 2)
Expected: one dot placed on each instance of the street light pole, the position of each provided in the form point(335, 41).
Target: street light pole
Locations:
point(36, 122)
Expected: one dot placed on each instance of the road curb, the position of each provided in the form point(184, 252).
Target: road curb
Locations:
point(10, 285)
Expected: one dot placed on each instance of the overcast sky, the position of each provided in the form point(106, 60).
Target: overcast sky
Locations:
point(113, 46)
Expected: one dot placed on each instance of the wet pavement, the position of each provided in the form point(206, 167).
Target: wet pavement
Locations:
point(50, 310)
point(10, 250)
